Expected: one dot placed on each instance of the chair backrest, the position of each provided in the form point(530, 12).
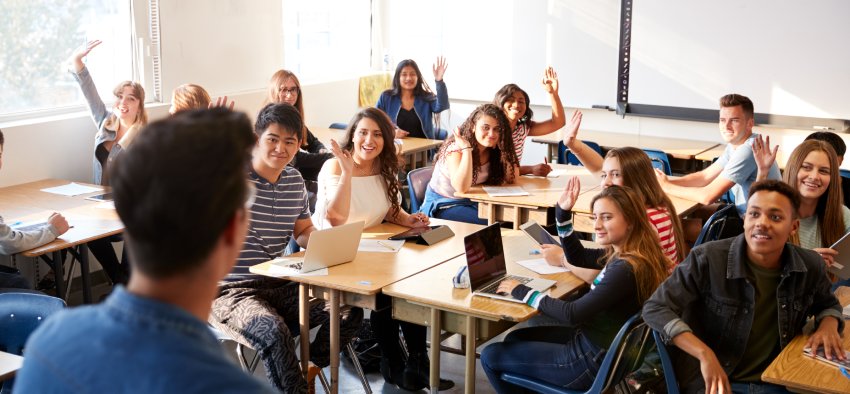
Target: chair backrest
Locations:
point(340, 126)
point(725, 223)
point(567, 157)
point(417, 182)
point(20, 315)
point(441, 134)
point(666, 364)
point(844, 173)
point(659, 160)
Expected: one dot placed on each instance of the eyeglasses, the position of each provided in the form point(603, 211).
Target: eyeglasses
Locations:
point(289, 91)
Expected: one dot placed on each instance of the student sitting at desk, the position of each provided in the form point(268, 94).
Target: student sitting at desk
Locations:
point(262, 312)
point(185, 216)
point(410, 104)
point(840, 147)
point(515, 103)
point(14, 241)
point(479, 152)
point(629, 167)
point(734, 304)
point(734, 170)
point(284, 88)
point(367, 163)
point(632, 266)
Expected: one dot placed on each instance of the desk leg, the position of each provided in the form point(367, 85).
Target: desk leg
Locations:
point(517, 217)
point(334, 341)
point(435, 350)
point(59, 274)
point(304, 322)
point(469, 376)
point(553, 153)
point(85, 274)
point(491, 213)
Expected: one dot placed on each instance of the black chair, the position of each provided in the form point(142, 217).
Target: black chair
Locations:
point(725, 223)
point(624, 355)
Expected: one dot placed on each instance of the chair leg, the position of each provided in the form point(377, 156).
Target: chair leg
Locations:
point(403, 346)
point(324, 381)
point(358, 368)
point(249, 366)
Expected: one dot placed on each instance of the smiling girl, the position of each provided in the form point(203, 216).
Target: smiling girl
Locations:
point(410, 104)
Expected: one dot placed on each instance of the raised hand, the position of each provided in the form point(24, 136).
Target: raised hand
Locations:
point(765, 157)
point(571, 131)
point(550, 80)
point(570, 195)
point(460, 142)
point(81, 52)
point(222, 102)
point(346, 162)
point(439, 68)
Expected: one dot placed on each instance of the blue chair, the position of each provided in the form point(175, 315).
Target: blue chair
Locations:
point(659, 160)
point(340, 126)
point(441, 134)
point(417, 183)
point(624, 355)
point(725, 223)
point(844, 173)
point(666, 364)
point(567, 157)
point(20, 314)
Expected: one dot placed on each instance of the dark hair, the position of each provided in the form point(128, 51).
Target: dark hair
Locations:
point(2, 140)
point(506, 93)
point(734, 100)
point(180, 186)
point(830, 138)
point(284, 115)
point(503, 158)
point(772, 185)
point(421, 88)
point(387, 158)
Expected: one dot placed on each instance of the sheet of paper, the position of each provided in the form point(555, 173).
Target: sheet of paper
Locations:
point(556, 173)
point(541, 267)
point(27, 226)
point(72, 189)
point(846, 312)
point(505, 191)
point(282, 267)
point(106, 205)
point(380, 245)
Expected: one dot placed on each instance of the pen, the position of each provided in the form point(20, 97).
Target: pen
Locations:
point(386, 246)
point(545, 160)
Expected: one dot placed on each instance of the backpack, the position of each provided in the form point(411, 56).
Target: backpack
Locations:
point(365, 345)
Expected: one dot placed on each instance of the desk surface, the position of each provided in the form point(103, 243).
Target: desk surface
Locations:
point(678, 148)
point(409, 145)
point(371, 271)
point(434, 286)
point(683, 206)
point(9, 364)
point(26, 202)
point(543, 192)
point(796, 371)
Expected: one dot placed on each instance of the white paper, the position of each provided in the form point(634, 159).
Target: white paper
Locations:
point(541, 267)
point(27, 226)
point(72, 189)
point(282, 267)
point(106, 205)
point(846, 312)
point(505, 191)
point(556, 173)
point(380, 245)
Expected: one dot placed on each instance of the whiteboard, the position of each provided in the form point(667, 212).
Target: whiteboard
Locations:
point(789, 57)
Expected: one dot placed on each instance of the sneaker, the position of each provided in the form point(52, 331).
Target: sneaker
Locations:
point(417, 374)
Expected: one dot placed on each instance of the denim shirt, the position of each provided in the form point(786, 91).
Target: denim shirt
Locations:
point(129, 344)
point(392, 104)
point(709, 294)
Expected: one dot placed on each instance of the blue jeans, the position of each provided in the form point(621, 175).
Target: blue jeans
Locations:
point(457, 209)
point(757, 388)
point(560, 356)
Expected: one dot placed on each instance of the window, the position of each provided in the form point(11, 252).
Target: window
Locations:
point(38, 36)
point(327, 39)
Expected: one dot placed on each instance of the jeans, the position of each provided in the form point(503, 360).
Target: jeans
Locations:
point(560, 356)
point(460, 213)
point(757, 388)
point(457, 209)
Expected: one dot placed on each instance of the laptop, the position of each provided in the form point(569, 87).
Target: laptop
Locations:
point(328, 247)
point(485, 262)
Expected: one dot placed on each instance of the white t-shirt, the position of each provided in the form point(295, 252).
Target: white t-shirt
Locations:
point(369, 201)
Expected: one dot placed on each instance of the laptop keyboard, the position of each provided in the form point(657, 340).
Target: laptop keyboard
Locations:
point(492, 287)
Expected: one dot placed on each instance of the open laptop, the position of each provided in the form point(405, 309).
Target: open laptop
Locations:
point(485, 261)
point(841, 266)
point(328, 247)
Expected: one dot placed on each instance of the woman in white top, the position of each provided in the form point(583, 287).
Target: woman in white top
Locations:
point(361, 183)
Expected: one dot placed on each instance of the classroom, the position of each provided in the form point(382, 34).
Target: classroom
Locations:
point(478, 171)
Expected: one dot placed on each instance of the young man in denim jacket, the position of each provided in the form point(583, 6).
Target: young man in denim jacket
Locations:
point(734, 304)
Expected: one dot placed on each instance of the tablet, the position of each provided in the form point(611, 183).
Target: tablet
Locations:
point(841, 266)
point(539, 234)
point(413, 233)
point(100, 197)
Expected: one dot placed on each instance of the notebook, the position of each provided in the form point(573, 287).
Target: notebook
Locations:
point(485, 261)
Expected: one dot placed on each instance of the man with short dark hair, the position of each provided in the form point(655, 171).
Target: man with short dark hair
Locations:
point(262, 312)
point(182, 196)
point(734, 170)
point(734, 304)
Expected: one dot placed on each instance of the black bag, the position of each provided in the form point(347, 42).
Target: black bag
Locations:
point(365, 345)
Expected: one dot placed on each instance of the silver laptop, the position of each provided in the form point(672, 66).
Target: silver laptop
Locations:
point(327, 248)
point(485, 262)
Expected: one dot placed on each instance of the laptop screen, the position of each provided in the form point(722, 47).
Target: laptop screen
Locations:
point(485, 257)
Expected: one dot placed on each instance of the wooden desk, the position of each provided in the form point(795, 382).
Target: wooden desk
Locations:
point(582, 221)
point(26, 202)
point(805, 374)
point(429, 299)
point(543, 193)
point(359, 282)
point(9, 364)
point(676, 147)
point(414, 150)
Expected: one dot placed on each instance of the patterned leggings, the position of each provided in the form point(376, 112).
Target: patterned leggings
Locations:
point(263, 314)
